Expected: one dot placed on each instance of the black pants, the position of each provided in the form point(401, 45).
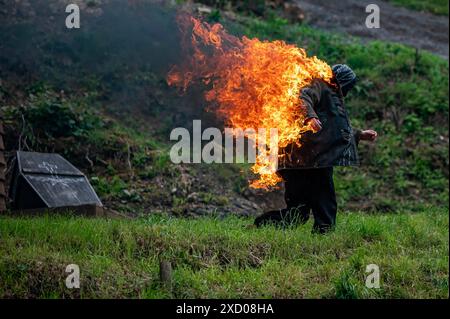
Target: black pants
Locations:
point(306, 190)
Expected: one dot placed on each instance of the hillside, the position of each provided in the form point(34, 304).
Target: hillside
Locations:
point(413, 23)
point(61, 88)
point(98, 96)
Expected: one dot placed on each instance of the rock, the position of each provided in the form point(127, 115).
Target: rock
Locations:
point(204, 10)
point(293, 12)
point(127, 192)
point(193, 197)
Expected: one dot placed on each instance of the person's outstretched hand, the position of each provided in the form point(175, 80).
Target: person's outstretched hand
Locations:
point(368, 135)
point(314, 123)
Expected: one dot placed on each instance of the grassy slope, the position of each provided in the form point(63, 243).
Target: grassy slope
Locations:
point(434, 6)
point(221, 258)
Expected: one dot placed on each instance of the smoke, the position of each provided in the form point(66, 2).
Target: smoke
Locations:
point(123, 50)
point(114, 36)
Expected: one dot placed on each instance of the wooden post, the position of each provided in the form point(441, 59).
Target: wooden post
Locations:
point(2, 169)
point(165, 274)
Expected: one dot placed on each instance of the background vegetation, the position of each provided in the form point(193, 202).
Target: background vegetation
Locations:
point(433, 6)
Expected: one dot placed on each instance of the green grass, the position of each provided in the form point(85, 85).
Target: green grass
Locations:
point(223, 259)
point(434, 6)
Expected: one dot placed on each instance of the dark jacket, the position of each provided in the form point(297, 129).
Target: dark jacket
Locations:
point(335, 144)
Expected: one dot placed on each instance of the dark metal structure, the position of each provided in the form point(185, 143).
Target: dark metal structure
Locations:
point(45, 180)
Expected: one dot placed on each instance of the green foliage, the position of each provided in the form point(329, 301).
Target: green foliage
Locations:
point(273, 26)
point(214, 16)
point(108, 187)
point(346, 287)
point(250, 7)
point(53, 115)
point(221, 258)
point(157, 164)
point(434, 6)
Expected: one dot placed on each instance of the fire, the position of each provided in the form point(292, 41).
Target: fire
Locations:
point(252, 83)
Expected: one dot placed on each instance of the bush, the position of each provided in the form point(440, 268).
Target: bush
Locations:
point(53, 115)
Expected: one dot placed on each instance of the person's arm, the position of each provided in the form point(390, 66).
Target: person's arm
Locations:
point(357, 135)
point(310, 97)
point(365, 135)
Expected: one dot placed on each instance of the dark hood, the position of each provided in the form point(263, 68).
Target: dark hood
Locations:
point(345, 77)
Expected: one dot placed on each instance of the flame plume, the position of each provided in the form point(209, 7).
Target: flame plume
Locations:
point(252, 83)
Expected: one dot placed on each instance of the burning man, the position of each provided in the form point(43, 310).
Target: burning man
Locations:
point(307, 170)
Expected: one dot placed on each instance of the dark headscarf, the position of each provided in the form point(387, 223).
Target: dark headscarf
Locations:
point(345, 77)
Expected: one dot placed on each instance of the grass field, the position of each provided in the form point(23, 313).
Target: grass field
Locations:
point(214, 258)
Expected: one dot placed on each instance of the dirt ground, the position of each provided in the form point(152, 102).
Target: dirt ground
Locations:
point(418, 29)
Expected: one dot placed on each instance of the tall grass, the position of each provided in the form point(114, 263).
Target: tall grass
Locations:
point(215, 258)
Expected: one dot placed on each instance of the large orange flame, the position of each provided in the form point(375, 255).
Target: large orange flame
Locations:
point(253, 83)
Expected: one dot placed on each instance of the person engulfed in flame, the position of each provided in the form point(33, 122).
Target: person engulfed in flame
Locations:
point(307, 167)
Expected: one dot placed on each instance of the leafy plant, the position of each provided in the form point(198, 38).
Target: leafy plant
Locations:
point(53, 115)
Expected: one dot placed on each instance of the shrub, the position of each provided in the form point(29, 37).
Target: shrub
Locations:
point(53, 115)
